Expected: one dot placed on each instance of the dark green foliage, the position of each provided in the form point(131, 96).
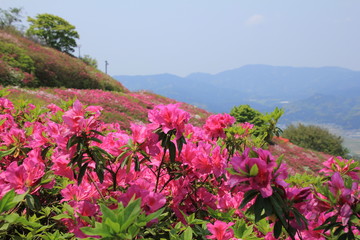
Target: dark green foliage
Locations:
point(54, 31)
point(244, 113)
point(315, 138)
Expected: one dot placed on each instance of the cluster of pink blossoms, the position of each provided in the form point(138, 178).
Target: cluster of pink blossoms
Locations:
point(197, 180)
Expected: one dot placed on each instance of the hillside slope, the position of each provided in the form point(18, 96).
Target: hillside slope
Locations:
point(28, 64)
point(122, 108)
point(298, 159)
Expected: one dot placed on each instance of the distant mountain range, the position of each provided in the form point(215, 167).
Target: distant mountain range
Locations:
point(328, 95)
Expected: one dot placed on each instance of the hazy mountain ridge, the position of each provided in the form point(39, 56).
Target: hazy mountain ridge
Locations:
point(319, 95)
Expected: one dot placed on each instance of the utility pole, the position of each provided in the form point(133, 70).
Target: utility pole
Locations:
point(106, 64)
point(79, 46)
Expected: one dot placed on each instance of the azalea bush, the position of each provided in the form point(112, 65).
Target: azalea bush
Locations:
point(64, 174)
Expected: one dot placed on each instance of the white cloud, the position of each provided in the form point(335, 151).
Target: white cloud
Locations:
point(254, 20)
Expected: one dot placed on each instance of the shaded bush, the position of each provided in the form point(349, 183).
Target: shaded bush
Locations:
point(316, 138)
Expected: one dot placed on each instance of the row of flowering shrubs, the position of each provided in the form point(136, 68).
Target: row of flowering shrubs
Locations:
point(64, 175)
point(123, 108)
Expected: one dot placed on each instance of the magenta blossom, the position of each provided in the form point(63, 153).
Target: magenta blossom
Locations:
point(257, 172)
point(342, 166)
point(169, 117)
point(215, 125)
point(220, 230)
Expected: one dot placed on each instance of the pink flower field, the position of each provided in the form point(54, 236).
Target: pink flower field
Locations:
point(163, 171)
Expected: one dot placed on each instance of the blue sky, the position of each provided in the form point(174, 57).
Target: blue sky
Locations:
point(140, 37)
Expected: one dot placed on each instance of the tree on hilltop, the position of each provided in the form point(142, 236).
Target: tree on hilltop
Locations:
point(9, 17)
point(54, 31)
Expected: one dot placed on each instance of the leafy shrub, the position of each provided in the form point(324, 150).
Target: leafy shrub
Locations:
point(17, 67)
point(316, 138)
point(265, 124)
point(16, 57)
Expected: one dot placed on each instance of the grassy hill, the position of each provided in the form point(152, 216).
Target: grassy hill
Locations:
point(28, 64)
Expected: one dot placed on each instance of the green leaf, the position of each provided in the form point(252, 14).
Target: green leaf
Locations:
point(45, 151)
point(7, 152)
point(61, 216)
point(108, 213)
point(10, 200)
point(154, 215)
point(72, 141)
point(97, 231)
point(277, 209)
point(343, 237)
point(258, 208)
point(33, 202)
point(131, 212)
point(100, 173)
point(300, 219)
point(97, 132)
point(95, 139)
point(268, 207)
point(82, 173)
point(180, 142)
point(172, 151)
point(277, 229)
point(239, 228)
point(114, 226)
point(254, 170)
point(339, 230)
point(187, 234)
point(248, 196)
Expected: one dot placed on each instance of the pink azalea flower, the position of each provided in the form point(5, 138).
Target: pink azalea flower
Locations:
point(169, 117)
point(61, 165)
point(261, 181)
point(54, 108)
point(14, 137)
point(6, 106)
point(215, 125)
point(74, 192)
point(150, 201)
point(25, 176)
point(144, 136)
point(220, 230)
point(8, 122)
point(341, 166)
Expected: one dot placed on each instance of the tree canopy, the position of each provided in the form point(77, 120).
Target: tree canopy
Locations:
point(54, 31)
